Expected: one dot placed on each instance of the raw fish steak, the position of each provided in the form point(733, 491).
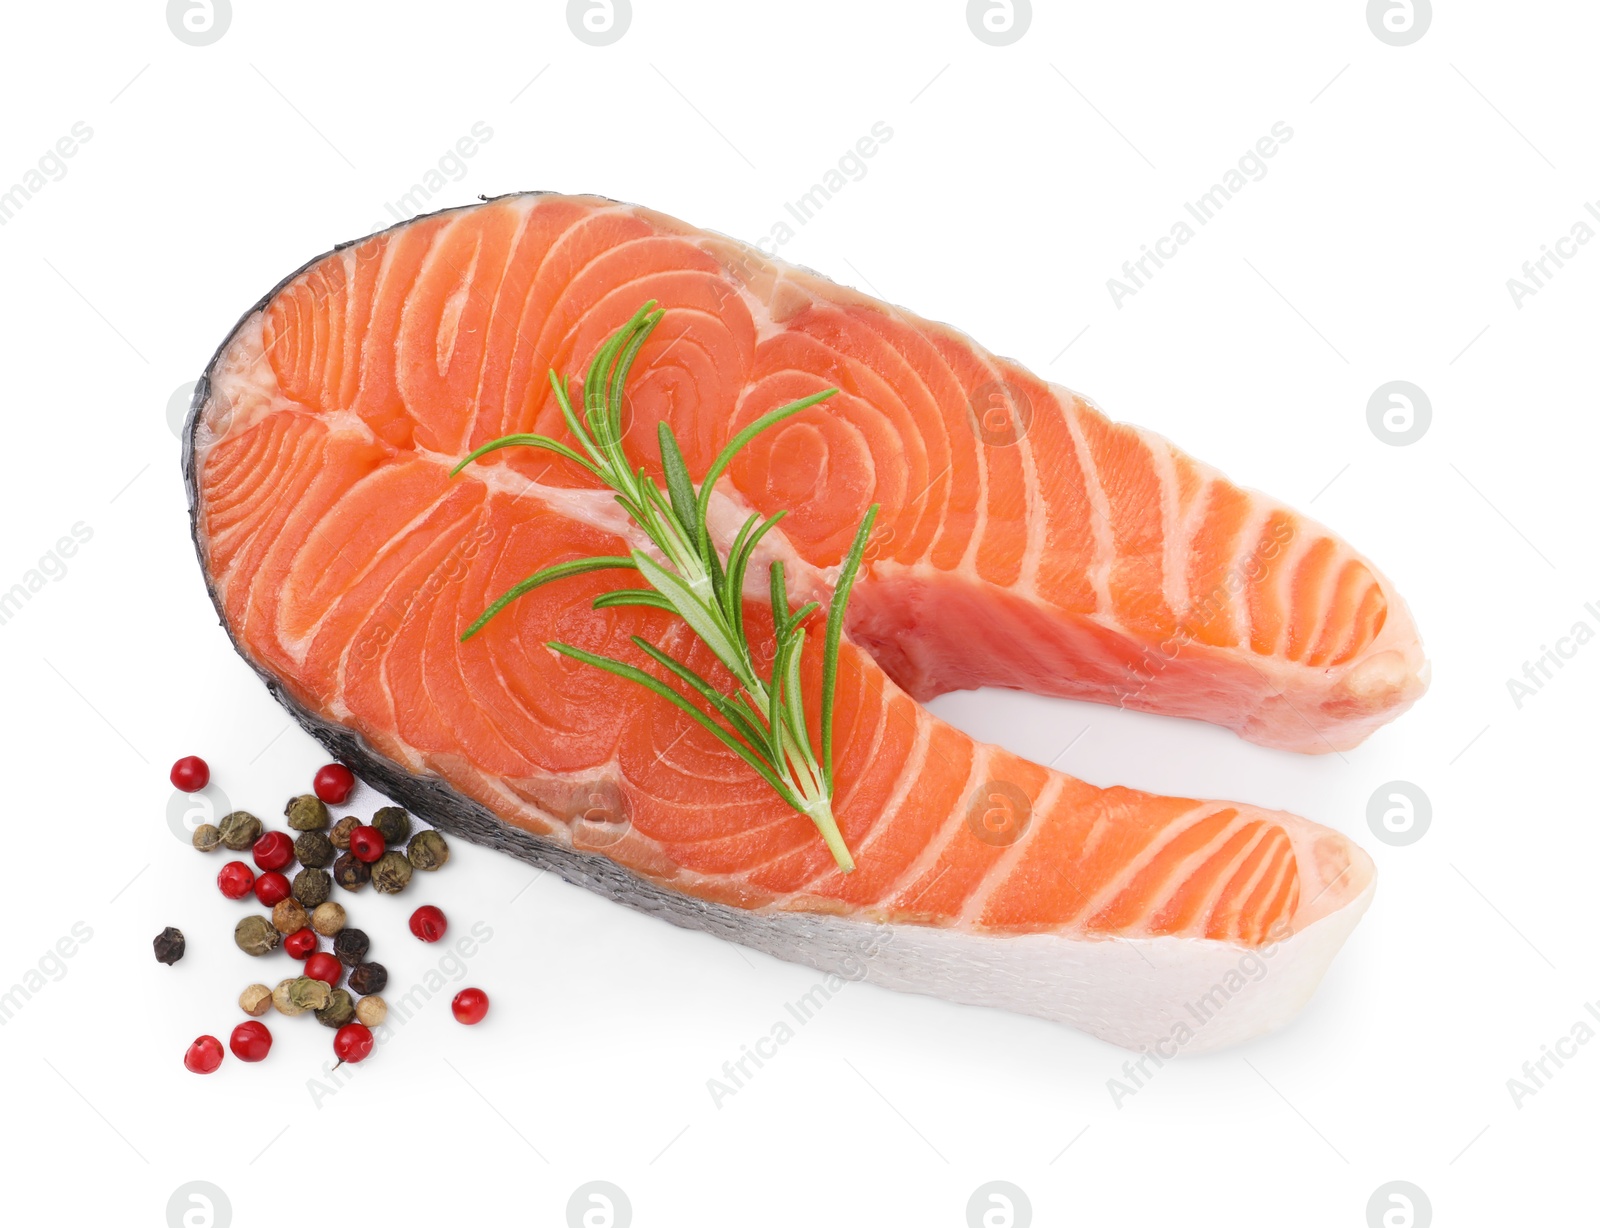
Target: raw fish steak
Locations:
point(1024, 541)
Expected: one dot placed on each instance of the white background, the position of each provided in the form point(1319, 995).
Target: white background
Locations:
point(1018, 180)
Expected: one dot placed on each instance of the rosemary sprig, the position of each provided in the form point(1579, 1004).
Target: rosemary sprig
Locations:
point(763, 718)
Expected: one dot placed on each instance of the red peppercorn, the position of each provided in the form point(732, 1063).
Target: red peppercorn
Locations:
point(470, 1006)
point(302, 943)
point(352, 1042)
point(333, 783)
point(366, 843)
point(324, 966)
point(204, 1056)
point(235, 880)
point(271, 887)
point(273, 851)
point(428, 923)
point(250, 1042)
point(191, 774)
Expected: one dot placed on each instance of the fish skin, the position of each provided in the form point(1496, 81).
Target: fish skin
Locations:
point(432, 798)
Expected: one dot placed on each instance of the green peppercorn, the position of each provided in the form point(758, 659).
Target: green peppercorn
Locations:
point(351, 873)
point(341, 1009)
point(339, 837)
point(306, 813)
point(368, 978)
point(299, 994)
point(351, 947)
point(394, 824)
point(240, 830)
point(207, 837)
point(289, 916)
point(427, 850)
point(313, 849)
point(169, 946)
point(311, 886)
point(391, 873)
point(328, 919)
point(255, 936)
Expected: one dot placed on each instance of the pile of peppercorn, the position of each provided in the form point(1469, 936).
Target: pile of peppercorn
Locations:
point(302, 914)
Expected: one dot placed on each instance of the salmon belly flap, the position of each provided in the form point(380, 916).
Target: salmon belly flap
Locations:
point(1024, 541)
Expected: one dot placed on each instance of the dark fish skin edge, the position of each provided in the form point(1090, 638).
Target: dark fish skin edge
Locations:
point(430, 796)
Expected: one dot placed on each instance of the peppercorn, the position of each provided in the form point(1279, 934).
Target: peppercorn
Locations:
point(207, 837)
point(308, 812)
point(311, 886)
point(372, 1010)
point(240, 830)
point(255, 935)
point(289, 916)
point(169, 946)
point(299, 994)
point(391, 873)
point(339, 1011)
point(328, 919)
point(314, 850)
point(351, 873)
point(394, 824)
point(368, 978)
point(351, 947)
point(255, 1000)
point(427, 850)
point(367, 844)
point(339, 837)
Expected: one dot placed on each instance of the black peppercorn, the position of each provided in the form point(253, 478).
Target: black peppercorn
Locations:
point(311, 887)
point(351, 947)
point(341, 1009)
point(339, 837)
point(313, 849)
point(351, 873)
point(306, 813)
point(394, 824)
point(240, 830)
point(368, 978)
point(169, 946)
point(427, 850)
point(391, 873)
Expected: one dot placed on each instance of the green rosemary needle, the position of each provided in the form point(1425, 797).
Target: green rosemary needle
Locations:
point(763, 718)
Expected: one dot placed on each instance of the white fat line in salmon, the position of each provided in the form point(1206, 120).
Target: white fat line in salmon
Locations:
point(51, 167)
point(1248, 570)
point(850, 167)
point(451, 163)
point(450, 968)
point(1251, 167)
point(1535, 273)
point(1251, 968)
point(52, 565)
point(1537, 1072)
point(737, 1072)
point(1550, 661)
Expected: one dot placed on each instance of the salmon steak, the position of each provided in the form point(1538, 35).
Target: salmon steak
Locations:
point(1023, 540)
